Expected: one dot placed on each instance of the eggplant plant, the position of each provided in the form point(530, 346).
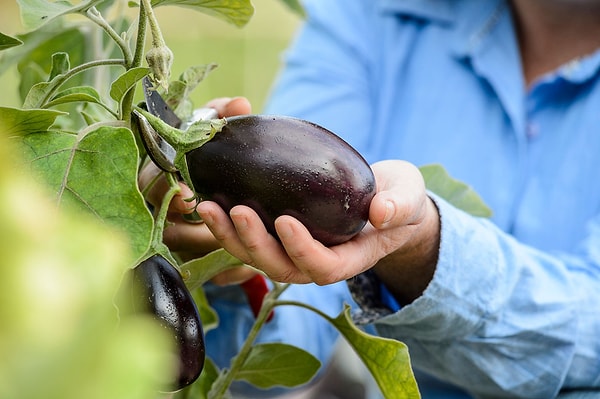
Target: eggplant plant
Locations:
point(81, 138)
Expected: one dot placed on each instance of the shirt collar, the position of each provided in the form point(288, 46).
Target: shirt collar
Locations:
point(472, 20)
point(434, 10)
point(578, 71)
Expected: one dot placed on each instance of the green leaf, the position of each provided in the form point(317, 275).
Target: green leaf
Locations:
point(200, 388)
point(208, 315)
point(276, 364)
point(296, 7)
point(178, 96)
point(75, 94)
point(95, 173)
point(387, 359)
point(8, 41)
point(30, 75)
point(237, 12)
point(60, 65)
point(198, 271)
point(19, 122)
point(126, 81)
point(35, 13)
point(38, 94)
point(455, 192)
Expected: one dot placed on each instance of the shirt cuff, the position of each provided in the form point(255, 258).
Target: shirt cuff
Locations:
point(368, 293)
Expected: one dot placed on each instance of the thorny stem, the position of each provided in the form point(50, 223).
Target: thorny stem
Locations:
point(94, 15)
point(220, 386)
point(141, 37)
point(157, 38)
point(127, 103)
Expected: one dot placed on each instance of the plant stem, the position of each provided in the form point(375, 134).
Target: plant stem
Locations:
point(94, 15)
point(138, 55)
point(305, 306)
point(141, 37)
point(160, 222)
point(61, 79)
point(220, 386)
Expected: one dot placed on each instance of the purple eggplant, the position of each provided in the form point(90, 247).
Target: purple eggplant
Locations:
point(162, 292)
point(286, 166)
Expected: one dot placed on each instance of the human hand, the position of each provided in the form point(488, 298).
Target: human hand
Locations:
point(192, 240)
point(403, 229)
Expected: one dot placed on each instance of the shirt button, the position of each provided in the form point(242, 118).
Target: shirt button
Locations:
point(532, 130)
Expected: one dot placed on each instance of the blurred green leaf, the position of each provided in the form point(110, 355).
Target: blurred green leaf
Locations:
point(31, 74)
point(18, 122)
point(178, 96)
point(275, 364)
point(387, 359)
point(236, 12)
point(96, 173)
point(60, 336)
point(126, 81)
point(208, 315)
point(35, 13)
point(296, 7)
point(455, 192)
point(8, 41)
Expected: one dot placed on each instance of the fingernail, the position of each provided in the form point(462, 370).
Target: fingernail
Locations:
point(284, 231)
point(206, 217)
point(390, 209)
point(240, 221)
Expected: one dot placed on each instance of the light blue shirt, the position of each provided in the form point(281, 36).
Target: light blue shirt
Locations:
point(513, 309)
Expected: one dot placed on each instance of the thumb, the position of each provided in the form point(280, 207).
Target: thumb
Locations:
point(401, 196)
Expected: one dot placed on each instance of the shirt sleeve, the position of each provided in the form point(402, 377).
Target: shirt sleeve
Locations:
point(502, 319)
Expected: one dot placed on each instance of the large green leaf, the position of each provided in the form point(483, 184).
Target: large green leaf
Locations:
point(96, 173)
point(387, 359)
point(275, 364)
point(237, 12)
point(8, 41)
point(455, 192)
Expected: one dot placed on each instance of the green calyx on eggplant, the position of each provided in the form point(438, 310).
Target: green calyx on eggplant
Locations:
point(161, 292)
point(280, 165)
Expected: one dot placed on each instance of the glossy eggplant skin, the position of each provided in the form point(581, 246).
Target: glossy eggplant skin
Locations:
point(286, 166)
point(162, 292)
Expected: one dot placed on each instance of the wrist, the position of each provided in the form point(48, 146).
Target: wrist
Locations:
point(406, 273)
